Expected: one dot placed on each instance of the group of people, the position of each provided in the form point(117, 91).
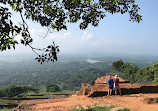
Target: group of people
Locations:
point(113, 84)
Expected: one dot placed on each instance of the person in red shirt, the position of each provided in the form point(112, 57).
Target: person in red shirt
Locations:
point(116, 85)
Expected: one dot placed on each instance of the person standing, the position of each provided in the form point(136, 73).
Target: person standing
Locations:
point(110, 85)
point(116, 85)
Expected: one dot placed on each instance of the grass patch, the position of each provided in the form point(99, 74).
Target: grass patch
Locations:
point(8, 105)
point(6, 109)
point(25, 106)
point(79, 109)
point(63, 92)
point(109, 108)
point(21, 95)
point(156, 99)
point(96, 108)
point(35, 96)
point(150, 100)
point(126, 109)
point(50, 93)
point(5, 100)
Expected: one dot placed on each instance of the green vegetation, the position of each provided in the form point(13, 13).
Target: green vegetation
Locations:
point(25, 106)
point(96, 108)
point(35, 96)
point(53, 88)
point(47, 93)
point(135, 74)
point(3, 100)
point(91, 82)
point(156, 99)
point(14, 90)
point(6, 109)
point(69, 73)
point(13, 102)
point(126, 109)
point(150, 100)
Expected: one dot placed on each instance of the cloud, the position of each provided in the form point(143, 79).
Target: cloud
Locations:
point(86, 35)
point(81, 43)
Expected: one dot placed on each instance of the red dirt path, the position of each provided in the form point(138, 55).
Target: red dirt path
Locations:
point(134, 102)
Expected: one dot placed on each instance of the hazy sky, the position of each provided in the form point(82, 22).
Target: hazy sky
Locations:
point(114, 35)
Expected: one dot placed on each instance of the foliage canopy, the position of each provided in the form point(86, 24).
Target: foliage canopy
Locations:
point(53, 88)
point(55, 14)
point(14, 90)
point(135, 74)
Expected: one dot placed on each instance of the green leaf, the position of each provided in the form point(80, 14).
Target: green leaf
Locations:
point(13, 7)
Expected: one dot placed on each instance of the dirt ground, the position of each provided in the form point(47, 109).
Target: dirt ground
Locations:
point(134, 102)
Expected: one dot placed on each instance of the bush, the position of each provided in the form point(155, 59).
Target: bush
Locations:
point(14, 90)
point(97, 108)
point(53, 88)
point(92, 82)
point(156, 99)
point(124, 109)
point(150, 100)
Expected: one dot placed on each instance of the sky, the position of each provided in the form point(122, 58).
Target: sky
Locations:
point(114, 35)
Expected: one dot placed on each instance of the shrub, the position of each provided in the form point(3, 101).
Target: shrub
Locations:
point(53, 88)
point(150, 100)
point(93, 108)
point(14, 90)
point(156, 99)
point(92, 82)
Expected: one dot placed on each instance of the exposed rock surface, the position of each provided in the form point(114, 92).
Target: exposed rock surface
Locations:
point(100, 87)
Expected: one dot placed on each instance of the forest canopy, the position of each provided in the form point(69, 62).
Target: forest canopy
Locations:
point(135, 74)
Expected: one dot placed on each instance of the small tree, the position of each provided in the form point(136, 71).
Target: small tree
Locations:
point(53, 88)
point(117, 65)
point(154, 68)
